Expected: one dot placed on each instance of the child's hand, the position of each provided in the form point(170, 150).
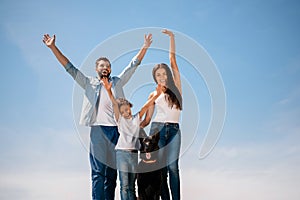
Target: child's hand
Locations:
point(107, 85)
point(160, 89)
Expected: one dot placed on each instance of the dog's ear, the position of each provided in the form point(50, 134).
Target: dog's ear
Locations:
point(142, 133)
point(142, 136)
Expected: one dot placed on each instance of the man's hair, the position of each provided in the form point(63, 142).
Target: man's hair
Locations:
point(104, 59)
point(122, 101)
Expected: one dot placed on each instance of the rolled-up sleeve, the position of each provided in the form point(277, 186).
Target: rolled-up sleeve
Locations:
point(77, 75)
point(129, 71)
point(68, 66)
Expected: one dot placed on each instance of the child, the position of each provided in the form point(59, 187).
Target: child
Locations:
point(128, 143)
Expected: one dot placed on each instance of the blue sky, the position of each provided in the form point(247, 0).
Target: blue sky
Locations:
point(254, 44)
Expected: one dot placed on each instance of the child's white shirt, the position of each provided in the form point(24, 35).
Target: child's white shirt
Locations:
point(129, 133)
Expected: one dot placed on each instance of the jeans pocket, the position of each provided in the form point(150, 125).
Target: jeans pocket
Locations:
point(175, 129)
point(155, 128)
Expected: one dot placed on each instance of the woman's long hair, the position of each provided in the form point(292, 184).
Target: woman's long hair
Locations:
point(173, 95)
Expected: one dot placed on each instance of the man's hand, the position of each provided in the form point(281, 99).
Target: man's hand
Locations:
point(49, 41)
point(147, 40)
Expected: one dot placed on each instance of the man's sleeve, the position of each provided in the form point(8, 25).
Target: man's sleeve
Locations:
point(129, 71)
point(77, 75)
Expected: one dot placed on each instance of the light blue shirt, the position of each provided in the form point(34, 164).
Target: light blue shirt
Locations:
point(92, 87)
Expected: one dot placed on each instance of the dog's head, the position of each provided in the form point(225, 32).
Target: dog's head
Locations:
point(149, 146)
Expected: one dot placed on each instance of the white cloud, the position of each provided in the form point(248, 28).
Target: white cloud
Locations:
point(48, 160)
point(248, 185)
point(43, 164)
point(262, 171)
point(46, 185)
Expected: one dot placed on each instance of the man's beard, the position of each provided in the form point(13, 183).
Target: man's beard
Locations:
point(105, 76)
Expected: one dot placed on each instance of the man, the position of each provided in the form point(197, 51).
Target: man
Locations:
point(97, 112)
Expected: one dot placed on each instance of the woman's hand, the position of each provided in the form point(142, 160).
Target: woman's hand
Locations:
point(169, 33)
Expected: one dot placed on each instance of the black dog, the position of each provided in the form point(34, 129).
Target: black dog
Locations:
point(149, 177)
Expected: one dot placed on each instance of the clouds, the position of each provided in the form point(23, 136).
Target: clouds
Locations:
point(258, 155)
point(39, 149)
point(263, 168)
point(256, 171)
point(277, 184)
point(56, 161)
point(43, 163)
point(46, 185)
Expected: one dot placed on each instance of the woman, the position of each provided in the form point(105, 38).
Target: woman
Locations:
point(168, 106)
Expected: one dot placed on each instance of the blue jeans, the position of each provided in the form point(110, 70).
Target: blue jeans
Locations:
point(169, 144)
point(103, 161)
point(126, 164)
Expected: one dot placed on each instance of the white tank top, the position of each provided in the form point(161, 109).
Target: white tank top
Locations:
point(164, 113)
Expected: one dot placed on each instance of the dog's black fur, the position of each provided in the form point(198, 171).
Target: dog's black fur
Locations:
point(149, 183)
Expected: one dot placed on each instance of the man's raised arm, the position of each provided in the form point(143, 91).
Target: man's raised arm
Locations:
point(50, 42)
point(79, 77)
point(130, 69)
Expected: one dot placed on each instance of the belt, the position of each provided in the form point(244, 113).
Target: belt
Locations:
point(128, 150)
point(166, 123)
point(170, 124)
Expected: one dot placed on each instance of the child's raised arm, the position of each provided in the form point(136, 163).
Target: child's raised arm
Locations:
point(153, 97)
point(107, 86)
